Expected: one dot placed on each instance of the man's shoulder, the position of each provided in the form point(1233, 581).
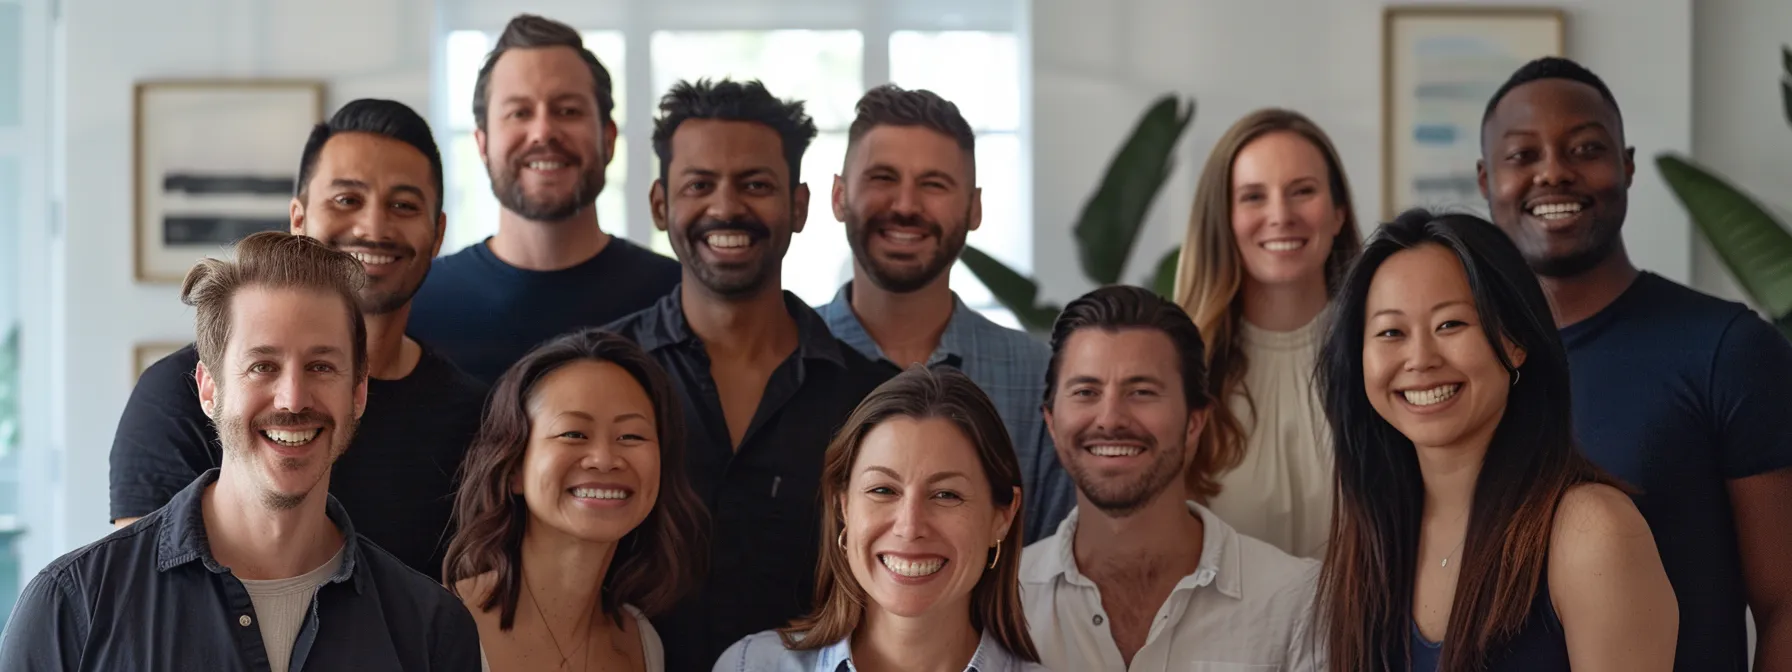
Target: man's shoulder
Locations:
point(1041, 561)
point(636, 325)
point(172, 371)
point(447, 378)
point(121, 552)
point(1271, 572)
point(395, 578)
point(1670, 303)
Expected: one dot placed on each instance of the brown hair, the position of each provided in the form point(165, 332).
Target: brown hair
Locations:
point(271, 260)
point(1210, 274)
point(920, 393)
point(655, 564)
point(891, 105)
point(528, 31)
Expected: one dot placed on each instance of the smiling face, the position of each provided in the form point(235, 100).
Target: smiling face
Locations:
point(591, 470)
point(285, 397)
point(371, 196)
point(908, 200)
point(1556, 174)
point(545, 143)
point(1427, 365)
point(919, 516)
point(1122, 425)
point(728, 205)
point(1284, 214)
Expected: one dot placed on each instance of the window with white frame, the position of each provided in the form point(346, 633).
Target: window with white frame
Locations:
point(824, 52)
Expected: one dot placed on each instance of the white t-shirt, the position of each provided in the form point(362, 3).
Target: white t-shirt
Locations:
point(281, 605)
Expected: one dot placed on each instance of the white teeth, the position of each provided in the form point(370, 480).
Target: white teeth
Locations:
point(599, 493)
point(373, 259)
point(728, 240)
point(1556, 210)
point(290, 438)
point(545, 165)
point(902, 236)
point(1284, 245)
point(1116, 451)
point(1434, 395)
point(912, 568)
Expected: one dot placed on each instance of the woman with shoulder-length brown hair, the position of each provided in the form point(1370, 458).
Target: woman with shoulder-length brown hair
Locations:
point(1271, 233)
point(920, 558)
point(576, 521)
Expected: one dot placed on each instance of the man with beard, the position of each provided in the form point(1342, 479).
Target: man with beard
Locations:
point(370, 184)
point(253, 566)
point(764, 384)
point(909, 198)
point(1139, 576)
point(542, 106)
point(1677, 393)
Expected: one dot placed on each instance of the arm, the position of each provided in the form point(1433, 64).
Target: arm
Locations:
point(454, 645)
point(1617, 609)
point(163, 440)
point(1763, 509)
point(48, 628)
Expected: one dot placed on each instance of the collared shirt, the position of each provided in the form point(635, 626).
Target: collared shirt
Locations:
point(765, 652)
point(1246, 605)
point(1010, 367)
point(151, 598)
point(762, 498)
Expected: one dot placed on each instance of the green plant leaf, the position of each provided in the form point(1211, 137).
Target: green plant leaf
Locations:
point(1014, 291)
point(1786, 82)
point(1756, 247)
point(1164, 281)
point(1110, 220)
point(1785, 326)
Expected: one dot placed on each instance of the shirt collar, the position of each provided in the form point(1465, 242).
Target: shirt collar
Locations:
point(666, 325)
point(1219, 567)
point(957, 342)
point(989, 657)
point(182, 537)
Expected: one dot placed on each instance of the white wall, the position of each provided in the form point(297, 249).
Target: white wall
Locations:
point(1096, 65)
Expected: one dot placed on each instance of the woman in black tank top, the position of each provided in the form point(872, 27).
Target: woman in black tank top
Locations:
point(1470, 533)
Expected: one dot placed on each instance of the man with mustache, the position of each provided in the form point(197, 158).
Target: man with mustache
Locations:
point(764, 383)
point(908, 195)
point(542, 105)
point(370, 184)
point(253, 565)
point(1139, 576)
point(1677, 393)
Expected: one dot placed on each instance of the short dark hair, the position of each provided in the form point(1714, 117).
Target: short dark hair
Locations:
point(1552, 67)
point(1117, 307)
point(388, 118)
point(728, 100)
point(528, 31)
point(891, 105)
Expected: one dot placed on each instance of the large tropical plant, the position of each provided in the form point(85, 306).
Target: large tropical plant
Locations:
point(1754, 244)
point(1110, 221)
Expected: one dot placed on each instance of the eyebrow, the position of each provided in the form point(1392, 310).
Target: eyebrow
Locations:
point(1440, 306)
point(929, 173)
point(1130, 380)
point(272, 351)
point(754, 171)
point(346, 183)
point(942, 476)
point(555, 98)
point(1594, 123)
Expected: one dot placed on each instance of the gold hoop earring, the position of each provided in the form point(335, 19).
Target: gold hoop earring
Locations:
point(841, 540)
point(992, 561)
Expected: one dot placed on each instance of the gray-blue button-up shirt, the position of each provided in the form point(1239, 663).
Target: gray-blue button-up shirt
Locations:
point(1010, 367)
point(765, 652)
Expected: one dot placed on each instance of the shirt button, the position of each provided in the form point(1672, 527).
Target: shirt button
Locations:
point(1098, 619)
point(244, 620)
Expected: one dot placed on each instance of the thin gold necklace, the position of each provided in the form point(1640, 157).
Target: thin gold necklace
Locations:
point(564, 656)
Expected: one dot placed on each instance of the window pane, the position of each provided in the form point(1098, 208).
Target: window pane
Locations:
point(988, 95)
point(465, 54)
point(607, 45)
point(473, 210)
point(612, 204)
point(12, 63)
point(823, 68)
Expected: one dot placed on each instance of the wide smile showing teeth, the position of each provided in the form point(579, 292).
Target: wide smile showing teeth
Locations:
point(1553, 211)
point(1432, 396)
point(599, 493)
point(728, 241)
point(291, 438)
point(544, 165)
point(903, 236)
point(912, 568)
point(1114, 451)
point(1283, 245)
point(372, 259)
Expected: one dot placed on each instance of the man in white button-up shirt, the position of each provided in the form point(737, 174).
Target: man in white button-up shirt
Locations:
point(1139, 577)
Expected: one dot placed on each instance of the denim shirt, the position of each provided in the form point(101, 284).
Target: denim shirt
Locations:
point(765, 652)
point(151, 598)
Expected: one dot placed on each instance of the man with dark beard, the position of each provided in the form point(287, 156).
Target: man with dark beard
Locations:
point(1139, 576)
point(764, 384)
point(253, 566)
point(1678, 393)
point(909, 197)
point(370, 184)
point(542, 106)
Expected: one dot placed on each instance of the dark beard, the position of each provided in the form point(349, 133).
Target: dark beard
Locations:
point(905, 280)
point(509, 191)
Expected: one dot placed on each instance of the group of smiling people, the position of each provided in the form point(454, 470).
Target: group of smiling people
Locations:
point(1460, 445)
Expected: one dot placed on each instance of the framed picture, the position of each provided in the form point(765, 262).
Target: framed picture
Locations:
point(150, 353)
point(1440, 66)
point(215, 161)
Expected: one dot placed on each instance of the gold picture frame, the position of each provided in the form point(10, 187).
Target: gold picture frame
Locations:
point(1440, 66)
point(147, 353)
point(212, 160)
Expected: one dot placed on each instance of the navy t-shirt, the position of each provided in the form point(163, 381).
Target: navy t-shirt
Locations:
point(484, 314)
point(1676, 393)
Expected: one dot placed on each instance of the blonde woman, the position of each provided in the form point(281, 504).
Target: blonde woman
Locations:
point(1271, 234)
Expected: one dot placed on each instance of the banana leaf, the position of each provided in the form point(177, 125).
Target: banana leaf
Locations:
point(1755, 246)
point(1164, 282)
point(1110, 221)
point(1015, 291)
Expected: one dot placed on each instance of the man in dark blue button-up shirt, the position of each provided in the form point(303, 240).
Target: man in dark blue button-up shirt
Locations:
point(253, 567)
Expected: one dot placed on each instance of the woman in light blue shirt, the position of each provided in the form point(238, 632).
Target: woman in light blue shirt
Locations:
point(920, 564)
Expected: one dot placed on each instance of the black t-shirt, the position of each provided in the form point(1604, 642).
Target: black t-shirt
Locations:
point(1676, 393)
point(484, 314)
point(397, 479)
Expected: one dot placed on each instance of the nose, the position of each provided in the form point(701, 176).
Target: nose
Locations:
point(541, 130)
point(1276, 210)
point(908, 201)
point(291, 393)
point(725, 203)
point(601, 456)
point(373, 222)
point(1553, 170)
point(1422, 353)
point(1111, 412)
point(911, 517)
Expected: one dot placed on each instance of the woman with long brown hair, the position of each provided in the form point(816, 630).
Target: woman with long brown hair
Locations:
point(1470, 533)
point(920, 563)
point(576, 520)
point(1271, 233)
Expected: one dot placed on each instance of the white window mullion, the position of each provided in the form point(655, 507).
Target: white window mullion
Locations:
point(643, 103)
